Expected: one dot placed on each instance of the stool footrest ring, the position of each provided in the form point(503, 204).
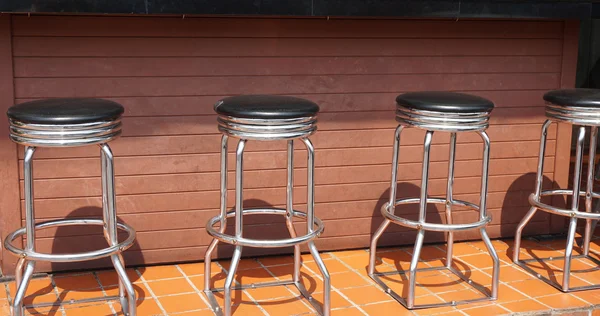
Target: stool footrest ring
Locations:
point(385, 211)
point(83, 256)
point(535, 201)
point(263, 243)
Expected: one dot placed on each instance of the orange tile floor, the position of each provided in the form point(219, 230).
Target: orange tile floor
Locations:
point(176, 289)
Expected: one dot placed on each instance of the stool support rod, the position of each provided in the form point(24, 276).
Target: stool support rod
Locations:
point(451, 160)
point(289, 220)
point(224, 141)
point(538, 190)
point(484, 175)
point(110, 194)
point(589, 189)
point(574, 207)
point(577, 171)
point(394, 184)
point(414, 262)
point(425, 176)
point(222, 216)
point(310, 201)
point(392, 202)
point(29, 209)
point(239, 187)
point(540, 169)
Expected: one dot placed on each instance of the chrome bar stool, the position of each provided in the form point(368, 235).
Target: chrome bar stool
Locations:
point(69, 123)
point(265, 118)
point(437, 112)
point(580, 107)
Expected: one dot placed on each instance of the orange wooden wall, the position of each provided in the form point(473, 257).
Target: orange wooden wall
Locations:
point(168, 73)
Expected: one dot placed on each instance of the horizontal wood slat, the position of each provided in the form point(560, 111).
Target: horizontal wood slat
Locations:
point(158, 86)
point(265, 66)
point(269, 27)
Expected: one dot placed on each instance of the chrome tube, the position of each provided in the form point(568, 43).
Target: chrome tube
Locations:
point(326, 311)
point(289, 218)
point(222, 216)
point(425, 177)
point(235, 260)
point(590, 189)
point(391, 203)
point(410, 301)
point(18, 308)
point(538, 189)
point(28, 188)
point(395, 156)
point(239, 188)
point(310, 200)
point(448, 206)
point(574, 207)
point(414, 262)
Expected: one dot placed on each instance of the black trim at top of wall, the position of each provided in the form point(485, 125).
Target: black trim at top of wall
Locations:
point(575, 9)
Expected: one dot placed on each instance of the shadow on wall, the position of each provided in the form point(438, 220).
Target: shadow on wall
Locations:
point(75, 239)
point(255, 227)
point(395, 233)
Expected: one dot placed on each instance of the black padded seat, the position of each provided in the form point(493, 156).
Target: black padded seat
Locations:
point(65, 111)
point(445, 102)
point(266, 107)
point(589, 98)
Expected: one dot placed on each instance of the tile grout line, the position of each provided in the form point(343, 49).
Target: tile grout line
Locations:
point(110, 305)
point(200, 293)
point(352, 270)
point(143, 281)
point(256, 303)
point(310, 307)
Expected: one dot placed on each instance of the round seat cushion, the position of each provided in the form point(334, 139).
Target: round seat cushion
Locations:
point(446, 102)
point(574, 97)
point(266, 107)
point(65, 111)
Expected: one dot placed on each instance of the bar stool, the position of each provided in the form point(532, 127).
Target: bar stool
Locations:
point(437, 112)
point(69, 123)
point(265, 118)
point(580, 107)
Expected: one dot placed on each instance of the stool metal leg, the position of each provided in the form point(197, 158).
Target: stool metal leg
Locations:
point(24, 270)
point(538, 190)
point(127, 294)
point(223, 215)
point(410, 302)
point(483, 214)
point(393, 188)
point(239, 223)
point(589, 189)
point(574, 207)
point(448, 208)
point(289, 219)
point(310, 221)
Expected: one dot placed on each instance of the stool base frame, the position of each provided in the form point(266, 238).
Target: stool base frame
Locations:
point(314, 229)
point(421, 225)
point(28, 256)
point(573, 213)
